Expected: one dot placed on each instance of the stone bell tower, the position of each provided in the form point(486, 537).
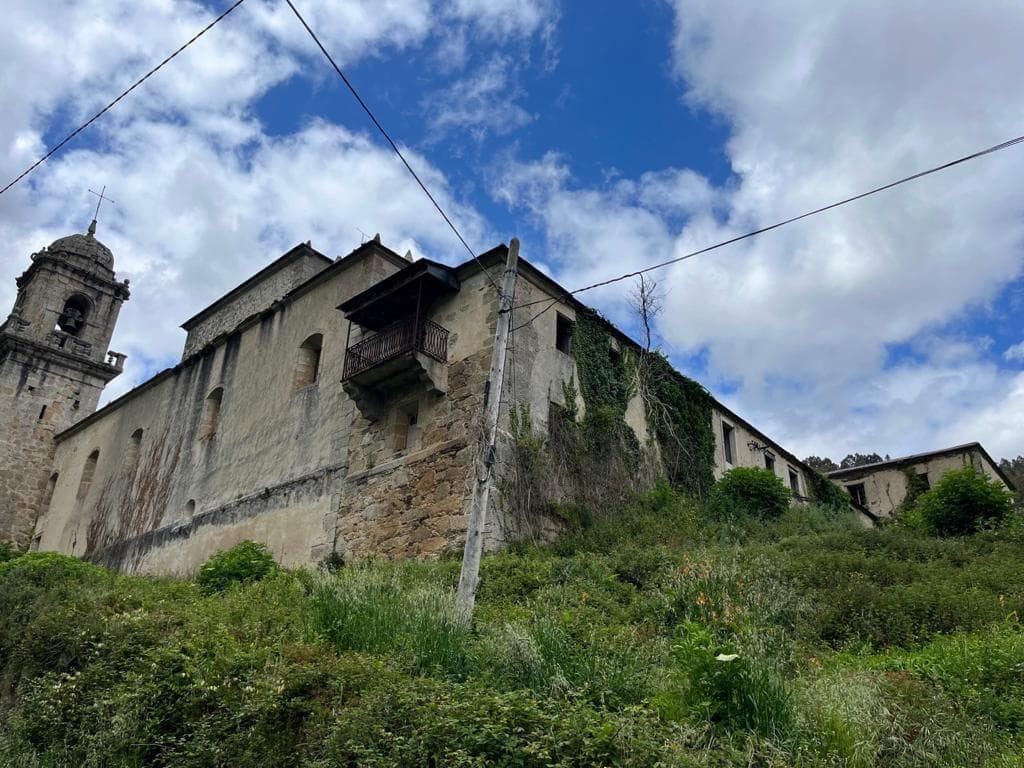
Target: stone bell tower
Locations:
point(54, 364)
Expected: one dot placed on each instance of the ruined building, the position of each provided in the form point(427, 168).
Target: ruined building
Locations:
point(322, 406)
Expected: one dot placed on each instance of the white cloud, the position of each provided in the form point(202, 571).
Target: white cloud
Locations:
point(1015, 354)
point(825, 100)
point(205, 196)
point(482, 103)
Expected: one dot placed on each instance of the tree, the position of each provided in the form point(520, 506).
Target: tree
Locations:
point(860, 459)
point(963, 501)
point(1014, 469)
point(822, 464)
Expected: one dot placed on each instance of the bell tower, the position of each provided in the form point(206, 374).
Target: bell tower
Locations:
point(54, 364)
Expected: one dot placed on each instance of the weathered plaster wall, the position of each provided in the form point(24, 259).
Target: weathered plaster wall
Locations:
point(886, 487)
point(273, 441)
point(745, 456)
point(254, 299)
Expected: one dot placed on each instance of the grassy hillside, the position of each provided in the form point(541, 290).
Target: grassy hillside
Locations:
point(652, 639)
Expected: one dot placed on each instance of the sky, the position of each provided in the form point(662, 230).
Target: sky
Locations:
point(606, 136)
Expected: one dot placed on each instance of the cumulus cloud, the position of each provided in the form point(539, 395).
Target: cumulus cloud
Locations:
point(205, 195)
point(823, 100)
point(482, 103)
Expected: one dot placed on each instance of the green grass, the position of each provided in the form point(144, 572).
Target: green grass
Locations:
point(651, 638)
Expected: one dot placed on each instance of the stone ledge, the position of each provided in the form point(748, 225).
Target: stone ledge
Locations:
point(411, 458)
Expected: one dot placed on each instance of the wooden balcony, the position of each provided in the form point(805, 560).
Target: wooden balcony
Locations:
point(408, 336)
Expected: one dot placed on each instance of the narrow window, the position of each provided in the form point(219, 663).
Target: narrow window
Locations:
point(42, 413)
point(307, 364)
point(211, 414)
point(857, 494)
point(190, 509)
point(564, 328)
point(923, 479)
point(87, 473)
point(72, 317)
point(728, 443)
point(794, 481)
point(51, 486)
point(407, 430)
point(769, 462)
point(131, 453)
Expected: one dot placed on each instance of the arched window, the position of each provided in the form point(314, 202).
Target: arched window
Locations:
point(87, 473)
point(131, 454)
point(51, 486)
point(211, 414)
point(190, 509)
point(72, 317)
point(307, 365)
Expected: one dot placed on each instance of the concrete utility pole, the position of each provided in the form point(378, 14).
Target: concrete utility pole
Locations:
point(465, 598)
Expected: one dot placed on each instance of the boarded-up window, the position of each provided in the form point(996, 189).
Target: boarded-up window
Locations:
point(87, 474)
point(307, 364)
point(211, 414)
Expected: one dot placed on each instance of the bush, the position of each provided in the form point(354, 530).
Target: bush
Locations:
point(246, 561)
point(7, 551)
point(963, 501)
point(746, 492)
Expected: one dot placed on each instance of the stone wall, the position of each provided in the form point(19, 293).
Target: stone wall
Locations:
point(281, 277)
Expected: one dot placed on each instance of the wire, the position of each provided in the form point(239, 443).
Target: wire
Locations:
point(730, 241)
point(390, 141)
point(135, 85)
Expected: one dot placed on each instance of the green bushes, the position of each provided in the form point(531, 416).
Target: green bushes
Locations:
point(746, 492)
point(246, 561)
point(963, 501)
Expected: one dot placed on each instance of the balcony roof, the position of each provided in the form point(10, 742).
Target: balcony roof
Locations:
point(422, 282)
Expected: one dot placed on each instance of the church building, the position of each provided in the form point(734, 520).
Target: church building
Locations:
point(323, 406)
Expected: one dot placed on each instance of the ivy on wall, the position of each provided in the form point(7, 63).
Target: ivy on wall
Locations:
point(679, 410)
point(825, 492)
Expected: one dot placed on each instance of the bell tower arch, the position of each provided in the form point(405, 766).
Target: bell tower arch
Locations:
point(54, 363)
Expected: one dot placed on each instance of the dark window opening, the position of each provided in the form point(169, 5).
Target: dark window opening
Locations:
point(769, 462)
point(190, 509)
point(728, 443)
point(72, 317)
point(923, 479)
point(794, 482)
point(857, 494)
point(564, 328)
point(42, 413)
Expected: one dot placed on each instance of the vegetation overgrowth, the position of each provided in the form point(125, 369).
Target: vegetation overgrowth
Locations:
point(657, 637)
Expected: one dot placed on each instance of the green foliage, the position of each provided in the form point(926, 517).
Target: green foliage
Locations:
point(963, 501)
point(749, 492)
point(605, 379)
point(246, 561)
point(852, 647)
point(7, 551)
point(826, 493)
point(680, 411)
point(371, 609)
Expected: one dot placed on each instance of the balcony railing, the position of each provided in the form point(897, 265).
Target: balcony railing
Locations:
point(411, 334)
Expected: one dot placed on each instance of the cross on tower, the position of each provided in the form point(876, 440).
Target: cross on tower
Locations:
point(102, 196)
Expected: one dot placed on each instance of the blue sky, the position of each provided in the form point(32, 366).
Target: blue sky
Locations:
point(606, 136)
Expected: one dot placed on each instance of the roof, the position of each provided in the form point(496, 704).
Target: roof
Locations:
point(299, 251)
point(421, 281)
point(915, 458)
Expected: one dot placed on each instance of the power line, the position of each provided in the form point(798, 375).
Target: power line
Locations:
point(394, 146)
point(135, 85)
point(730, 241)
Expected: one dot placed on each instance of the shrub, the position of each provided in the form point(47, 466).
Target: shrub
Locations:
point(962, 502)
point(246, 561)
point(367, 607)
point(7, 551)
point(746, 492)
point(826, 493)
